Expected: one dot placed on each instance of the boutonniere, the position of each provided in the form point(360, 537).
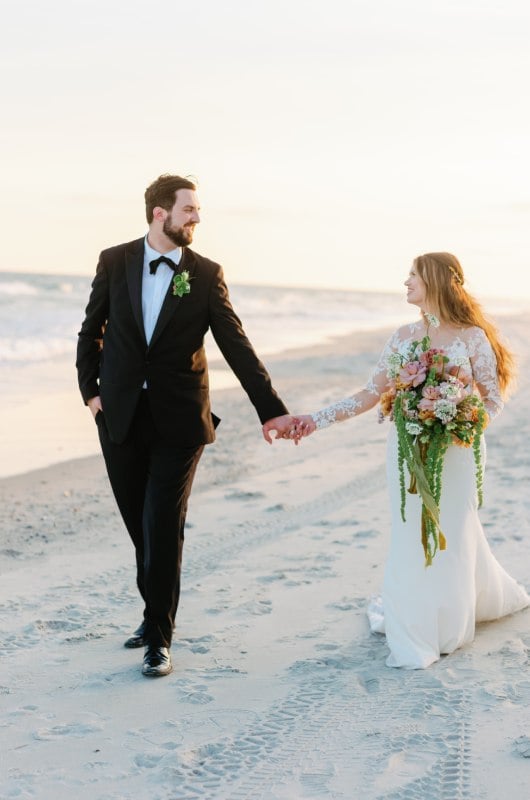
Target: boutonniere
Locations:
point(181, 283)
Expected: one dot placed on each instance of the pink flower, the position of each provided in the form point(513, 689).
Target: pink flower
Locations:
point(430, 392)
point(459, 372)
point(413, 373)
point(427, 357)
point(426, 404)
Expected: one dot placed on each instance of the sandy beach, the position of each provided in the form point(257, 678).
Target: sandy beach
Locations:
point(279, 691)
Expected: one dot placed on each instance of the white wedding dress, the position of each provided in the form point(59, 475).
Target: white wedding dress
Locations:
point(428, 611)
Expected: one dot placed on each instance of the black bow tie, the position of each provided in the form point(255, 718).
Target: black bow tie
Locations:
point(162, 260)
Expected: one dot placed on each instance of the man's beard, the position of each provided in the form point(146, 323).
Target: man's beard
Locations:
point(179, 236)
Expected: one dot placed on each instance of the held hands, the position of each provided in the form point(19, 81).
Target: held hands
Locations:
point(289, 427)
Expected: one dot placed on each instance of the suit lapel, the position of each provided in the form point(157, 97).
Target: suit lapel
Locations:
point(134, 266)
point(171, 301)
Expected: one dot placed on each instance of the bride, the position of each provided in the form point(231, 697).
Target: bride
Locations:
point(429, 611)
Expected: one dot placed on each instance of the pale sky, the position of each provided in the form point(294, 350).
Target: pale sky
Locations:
point(333, 141)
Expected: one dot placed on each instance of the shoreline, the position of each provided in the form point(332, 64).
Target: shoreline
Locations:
point(56, 420)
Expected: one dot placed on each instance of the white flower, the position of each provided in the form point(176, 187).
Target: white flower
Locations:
point(450, 390)
point(413, 428)
point(445, 410)
point(432, 319)
point(393, 365)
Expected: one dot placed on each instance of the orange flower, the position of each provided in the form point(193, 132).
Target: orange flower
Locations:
point(469, 413)
point(426, 414)
point(460, 443)
point(387, 401)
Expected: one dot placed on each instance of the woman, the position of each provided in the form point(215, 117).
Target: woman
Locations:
point(429, 611)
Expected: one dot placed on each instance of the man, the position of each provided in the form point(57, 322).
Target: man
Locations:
point(143, 373)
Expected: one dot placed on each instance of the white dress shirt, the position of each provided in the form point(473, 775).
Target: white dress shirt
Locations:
point(154, 287)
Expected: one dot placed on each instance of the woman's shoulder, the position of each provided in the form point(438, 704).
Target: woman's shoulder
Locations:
point(401, 338)
point(476, 341)
point(409, 330)
point(473, 333)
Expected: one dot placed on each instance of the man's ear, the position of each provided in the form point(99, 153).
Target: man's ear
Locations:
point(159, 213)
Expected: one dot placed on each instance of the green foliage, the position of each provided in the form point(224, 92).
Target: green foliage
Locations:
point(181, 283)
point(424, 455)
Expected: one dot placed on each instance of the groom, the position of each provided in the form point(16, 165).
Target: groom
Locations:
point(143, 373)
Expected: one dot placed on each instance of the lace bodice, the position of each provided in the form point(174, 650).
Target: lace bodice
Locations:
point(469, 349)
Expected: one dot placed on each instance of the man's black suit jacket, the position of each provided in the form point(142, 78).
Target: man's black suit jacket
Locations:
point(174, 363)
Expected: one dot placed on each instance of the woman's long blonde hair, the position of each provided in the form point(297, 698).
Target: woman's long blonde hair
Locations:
point(446, 297)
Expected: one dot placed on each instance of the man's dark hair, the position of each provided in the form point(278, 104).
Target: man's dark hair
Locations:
point(162, 192)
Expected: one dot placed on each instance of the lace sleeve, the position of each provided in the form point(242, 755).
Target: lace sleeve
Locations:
point(366, 398)
point(484, 367)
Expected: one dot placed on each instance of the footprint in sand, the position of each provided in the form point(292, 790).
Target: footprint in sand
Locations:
point(201, 644)
point(257, 607)
point(348, 604)
point(147, 761)
point(276, 508)
point(367, 534)
point(196, 694)
point(522, 746)
point(277, 575)
point(77, 729)
point(237, 494)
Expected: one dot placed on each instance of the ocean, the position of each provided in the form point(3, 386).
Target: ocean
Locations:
point(40, 315)
point(43, 418)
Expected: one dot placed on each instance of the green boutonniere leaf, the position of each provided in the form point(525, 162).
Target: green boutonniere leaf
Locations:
point(181, 283)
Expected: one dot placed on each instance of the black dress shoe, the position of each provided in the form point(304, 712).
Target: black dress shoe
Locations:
point(137, 639)
point(157, 662)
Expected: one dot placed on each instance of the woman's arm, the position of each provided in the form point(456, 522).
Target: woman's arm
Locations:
point(348, 407)
point(484, 368)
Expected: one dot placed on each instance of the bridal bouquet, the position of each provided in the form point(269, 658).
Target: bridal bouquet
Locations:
point(433, 406)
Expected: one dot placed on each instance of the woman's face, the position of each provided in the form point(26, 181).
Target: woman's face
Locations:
point(416, 289)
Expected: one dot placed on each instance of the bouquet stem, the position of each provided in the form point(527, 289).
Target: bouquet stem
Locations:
point(414, 455)
point(431, 534)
